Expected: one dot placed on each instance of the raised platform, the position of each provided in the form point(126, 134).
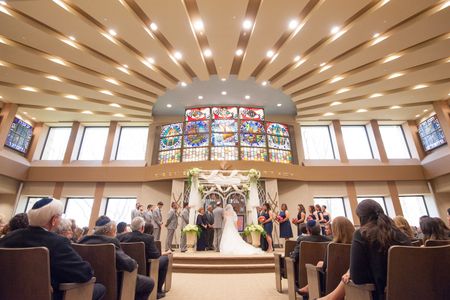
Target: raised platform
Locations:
point(215, 263)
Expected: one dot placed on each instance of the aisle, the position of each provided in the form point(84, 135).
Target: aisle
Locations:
point(224, 286)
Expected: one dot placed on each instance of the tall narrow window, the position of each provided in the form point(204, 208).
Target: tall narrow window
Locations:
point(413, 208)
point(132, 143)
point(79, 209)
point(317, 142)
point(119, 209)
point(378, 199)
point(335, 205)
point(56, 143)
point(93, 143)
point(394, 141)
point(30, 202)
point(356, 142)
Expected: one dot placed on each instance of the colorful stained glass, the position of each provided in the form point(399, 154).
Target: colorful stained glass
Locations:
point(224, 112)
point(251, 113)
point(170, 143)
point(258, 154)
point(224, 153)
point(171, 129)
point(196, 127)
point(196, 140)
point(280, 156)
point(252, 127)
point(224, 139)
point(197, 114)
point(167, 157)
point(253, 140)
point(224, 126)
point(195, 154)
point(277, 129)
point(279, 142)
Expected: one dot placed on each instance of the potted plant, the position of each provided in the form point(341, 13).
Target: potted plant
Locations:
point(192, 232)
point(255, 231)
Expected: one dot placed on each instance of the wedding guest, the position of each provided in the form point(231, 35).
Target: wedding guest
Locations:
point(443, 226)
point(432, 229)
point(19, 221)
point(328, 230)
point(148, 228)
point(65, 229)
point(121, 228)
point(301, 219)
point(157, 219)
point(138, 211)
point(268, 225)
point(201, 242)
point(184, 222)
point(285, 225)
point(209, 220)
point(218, 225)
point(404, 227)
point(312, 213)
point(171, 225)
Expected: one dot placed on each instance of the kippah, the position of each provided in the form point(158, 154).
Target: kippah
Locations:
point(41, 203)
point(102, 221)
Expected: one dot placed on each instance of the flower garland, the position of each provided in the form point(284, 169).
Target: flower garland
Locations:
point(254, 175)
point(194, 172)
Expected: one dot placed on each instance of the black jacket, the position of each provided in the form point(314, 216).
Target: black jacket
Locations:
point(136, 236)
point(65, 263)
point(123, 261)
point(306, 238)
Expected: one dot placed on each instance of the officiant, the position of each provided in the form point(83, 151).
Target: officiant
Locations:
point(209, 220)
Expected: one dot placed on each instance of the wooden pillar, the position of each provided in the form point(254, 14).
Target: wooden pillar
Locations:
point(151, 137)
point(7, 114)
point(352, 197)
point(98, 196)
point(379, 141)
point(57, 190)
point(113, 126)
point(393, 191)
point(416, 139)
point(37, 131)
point(340, 141)
point(299, 143)
point(71, 142)
point(443, 114)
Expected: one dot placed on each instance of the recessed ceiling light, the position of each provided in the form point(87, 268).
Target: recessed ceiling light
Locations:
point(395, 107)
point(395, 75)
point(207, 52)
point(269, 53)
point(115, 105)
point(335, 103)
point(87, 112)
point(112, 80)
point(50, 108)
point(150, 60)
point(279, 105)
point(57, 60)
point(328, 114)
point(336, 79)
point(343, 90)
point(335, 29)
point(119, 115)
point(198, 25)
point(264, 83)
point(168, 105)
point(3, 3)
point(239, 52)
point(224, 93)
point(125, 66)
point(379, 39)
point(112, 32)
point(178, 55)
point(5, 11)
point(153, 26)
point(25, 113)
point(361, 110)
point(223, 79)
point(375, 35)
point(1, 97)
point(72, 38)
point(322, 64)
point(69, 42)
point(425, 110)
point(123, 69)
point(297, 58)
point(52, 77)
point(33, 118)
point(247, 24)
point(417, 115)
point(376, 95)
point(247, 97)
point(72, 97)
point(29, 89)
point(324, 68)
point(391, 58)
point(293, 24)
point(420, 86)
point(183, 84)
point(200, 97)
point(106, 92)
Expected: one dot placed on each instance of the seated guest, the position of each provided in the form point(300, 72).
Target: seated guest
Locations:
point(105, 233)
point(443, 226)
point(137, 235)
point(328, 230)
point(148, 228)
point(404, 227)
point(432, 229)
point(19, 221)
point(65, 264)
point(65, 229)
point(121, 228)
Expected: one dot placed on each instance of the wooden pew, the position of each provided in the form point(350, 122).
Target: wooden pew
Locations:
point(137, 252)
point(168, 282)
point(279, 274)
point(25, 275)
point(432, 243)
point(102, 258)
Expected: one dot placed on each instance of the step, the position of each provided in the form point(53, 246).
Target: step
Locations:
point(223, 269)
point(224, 260)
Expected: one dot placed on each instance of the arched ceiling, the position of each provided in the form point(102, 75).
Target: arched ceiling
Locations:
point(112, 60)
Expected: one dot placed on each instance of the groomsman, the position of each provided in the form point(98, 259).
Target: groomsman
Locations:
point(184, 222)
point(157, 219)
point(171, 225)
point(218, 225)
point(209, 218)
point(138, 211)
point(148, 215)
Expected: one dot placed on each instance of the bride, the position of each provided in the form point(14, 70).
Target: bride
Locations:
point(232, 243)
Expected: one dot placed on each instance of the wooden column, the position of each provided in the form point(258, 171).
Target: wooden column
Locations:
point(416, 139)
point(113, 126)
point(151, 137)
point(443, 114)
point(98, 196)
point(57, 190)
point(352, 197)
point(71, 142)
point(37, 131)
point(299, 144)
point(379, 141)
point(7, 114)
point(340, 141)
point(393, 191)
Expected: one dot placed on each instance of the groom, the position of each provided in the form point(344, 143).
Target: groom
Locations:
point(218, 225)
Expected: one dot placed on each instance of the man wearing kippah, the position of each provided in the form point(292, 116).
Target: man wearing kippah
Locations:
point(65, 264)
point(105, 233)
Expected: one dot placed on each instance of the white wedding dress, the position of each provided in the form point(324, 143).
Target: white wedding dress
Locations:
point(232, 243)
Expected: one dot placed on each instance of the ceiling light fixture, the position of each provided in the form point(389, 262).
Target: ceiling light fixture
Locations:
point(106, 92)
point(112, 32)
point(420, 86)
point(361, 110)
point(391, 58)
point(425, 110)
point(72, 38)
point(395, 75)
point(198, 25)
point(29, 89)
point(239, 52)
point(336, 79)
point(279, 105)
point(375, 35)
point(119, 115)
point(200, 97)
point(269, 53)
point(3, 3)
point(335, 29)
point(168, 105)
point(183, 84)
point(25, 113)
point(72, 97)
point(207, 52)
point(123, 69)
point(417, 115)
point(343, 90)
point(57, 60)
point(223, 79)
point(328, 114)
point(150, 60)
point(335, 103)
point(115, 105)
point(153, 26)
point(376, 95)
point(395, 107)
point(224, 93)
point(112, 80)
point(293, 24)
point(297, 58)
point(52, 77)
point(324, 68)
point(178, 55)
point(264, 83)
point(5, 11)
point(69, 42)
point(322, 64)
point(247, 97)
point(50, 108)
point(33, 118)
point(247, 24)
point(87, 112)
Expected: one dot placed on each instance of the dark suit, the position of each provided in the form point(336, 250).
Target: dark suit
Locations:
point(144, 285)
point(209, 220)
point(65, 264)
point(151, 252)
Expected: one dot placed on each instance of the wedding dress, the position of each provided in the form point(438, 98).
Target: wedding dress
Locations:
point(231, 242)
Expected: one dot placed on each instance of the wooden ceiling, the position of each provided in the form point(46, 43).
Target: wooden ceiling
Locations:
point(87, 60)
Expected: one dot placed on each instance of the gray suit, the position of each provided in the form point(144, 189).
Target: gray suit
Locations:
point(171, 224)
point(148, 217)
point(135, 213)
point(218, 226)
point(184, 222)
point(157, 219)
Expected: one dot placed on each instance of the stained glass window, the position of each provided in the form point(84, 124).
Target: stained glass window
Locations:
point(224, 139)
point(224, 153)
point(195, 154)
point(280, 156)
point(172, 129)
point(258, 154)
point(224, 126)
point(167, 157)
point(196, 127)
point(252, 127)
point(279, 142)
point(170, 143)
point(224, 112)
point(196, 114)
point(251, 113)
point(253, 140)
point(277, 129)
point(196, 140)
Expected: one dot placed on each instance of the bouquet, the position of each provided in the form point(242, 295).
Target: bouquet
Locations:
point(294, 221)
point(261, 219)
point(280, 218)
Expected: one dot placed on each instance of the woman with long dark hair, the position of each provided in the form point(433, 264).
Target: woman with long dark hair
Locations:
point(285, 225)
point(301, 219)
point(312, 213)
point(433, 229)
point(268, 225)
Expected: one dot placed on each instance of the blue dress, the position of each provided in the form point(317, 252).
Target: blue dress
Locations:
point(268, 227)
point(285, 227)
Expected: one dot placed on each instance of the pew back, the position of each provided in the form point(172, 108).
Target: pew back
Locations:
point(310, 253)
point(137, 252)
point(432, 243)
point(289, 247)
point(338, 262)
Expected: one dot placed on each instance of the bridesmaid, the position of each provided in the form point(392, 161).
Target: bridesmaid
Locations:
point(285, 225)
point(301, 219)
point(268, 225)
point(312, 213)
point(201, 243)
point(320, 218)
